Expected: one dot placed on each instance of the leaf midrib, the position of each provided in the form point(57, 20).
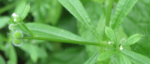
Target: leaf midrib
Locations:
point(58, 35)
point(80, 15)
point(93, 58)
point(85, 21)
point(133, 57)
point(124, 60)
point(121, 13)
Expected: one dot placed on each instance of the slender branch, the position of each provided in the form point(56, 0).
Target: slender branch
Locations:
point(66, 41)
point(108, 16)
point(27, 29)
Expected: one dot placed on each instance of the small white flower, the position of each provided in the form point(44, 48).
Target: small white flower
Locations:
point(14, 15)
point(121, 48)
point(109, 42)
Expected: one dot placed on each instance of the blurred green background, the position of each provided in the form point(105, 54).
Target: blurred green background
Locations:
point(52, 13)
point(48, 12)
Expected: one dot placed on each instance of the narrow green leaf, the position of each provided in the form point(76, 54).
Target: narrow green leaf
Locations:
point(25, 47)
point(133, 39)
point(124, 59)
point(108, 16)
point(2, 61)
point(110, 34)
point(76, 8)
point(105, 55)
point(41, 29)
point(135, 57)
point(101, 26)
point(12, 5)
point(12, 55)
point(123, 8)
point(20, 8)
point(25, 12)
point(33, 53)
point(3, 39)
point(54, 11)
point(3, 21)
point(115, 58)
point(92, 59)
point(45, 32)
point(73, 55)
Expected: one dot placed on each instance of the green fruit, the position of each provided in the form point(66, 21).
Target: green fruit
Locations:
point(17, 34)
point(122, 41)
point(11, 26)
point(17, 42)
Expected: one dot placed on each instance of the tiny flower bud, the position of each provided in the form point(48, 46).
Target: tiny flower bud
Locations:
point(11, 26)
point(17, 42)
point(17, 34)
point(109, 42)
point(121, 48)
point(16, 17)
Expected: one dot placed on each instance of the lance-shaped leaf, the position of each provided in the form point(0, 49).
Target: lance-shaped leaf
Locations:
point(123, 8)
point(25, 12)
point(101, 26)
point(132, 39)
point(76, 8)
point(12, 55)
point(93, 59)
point(46, 32)
point(4, 21)
point(33, 53)
point(124, 59)
point(105, 55)
point(110, 34)
point(2, 60)
point(136, 58)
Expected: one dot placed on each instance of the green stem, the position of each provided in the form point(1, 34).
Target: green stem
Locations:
point(27, 29)
point(66, 41)
point(108, 16)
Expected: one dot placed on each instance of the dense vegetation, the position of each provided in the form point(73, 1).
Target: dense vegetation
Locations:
point(74, 31)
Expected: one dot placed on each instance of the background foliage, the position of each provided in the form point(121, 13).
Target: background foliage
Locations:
point(52, 13)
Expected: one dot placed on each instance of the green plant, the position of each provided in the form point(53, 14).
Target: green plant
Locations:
point(101, 32)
